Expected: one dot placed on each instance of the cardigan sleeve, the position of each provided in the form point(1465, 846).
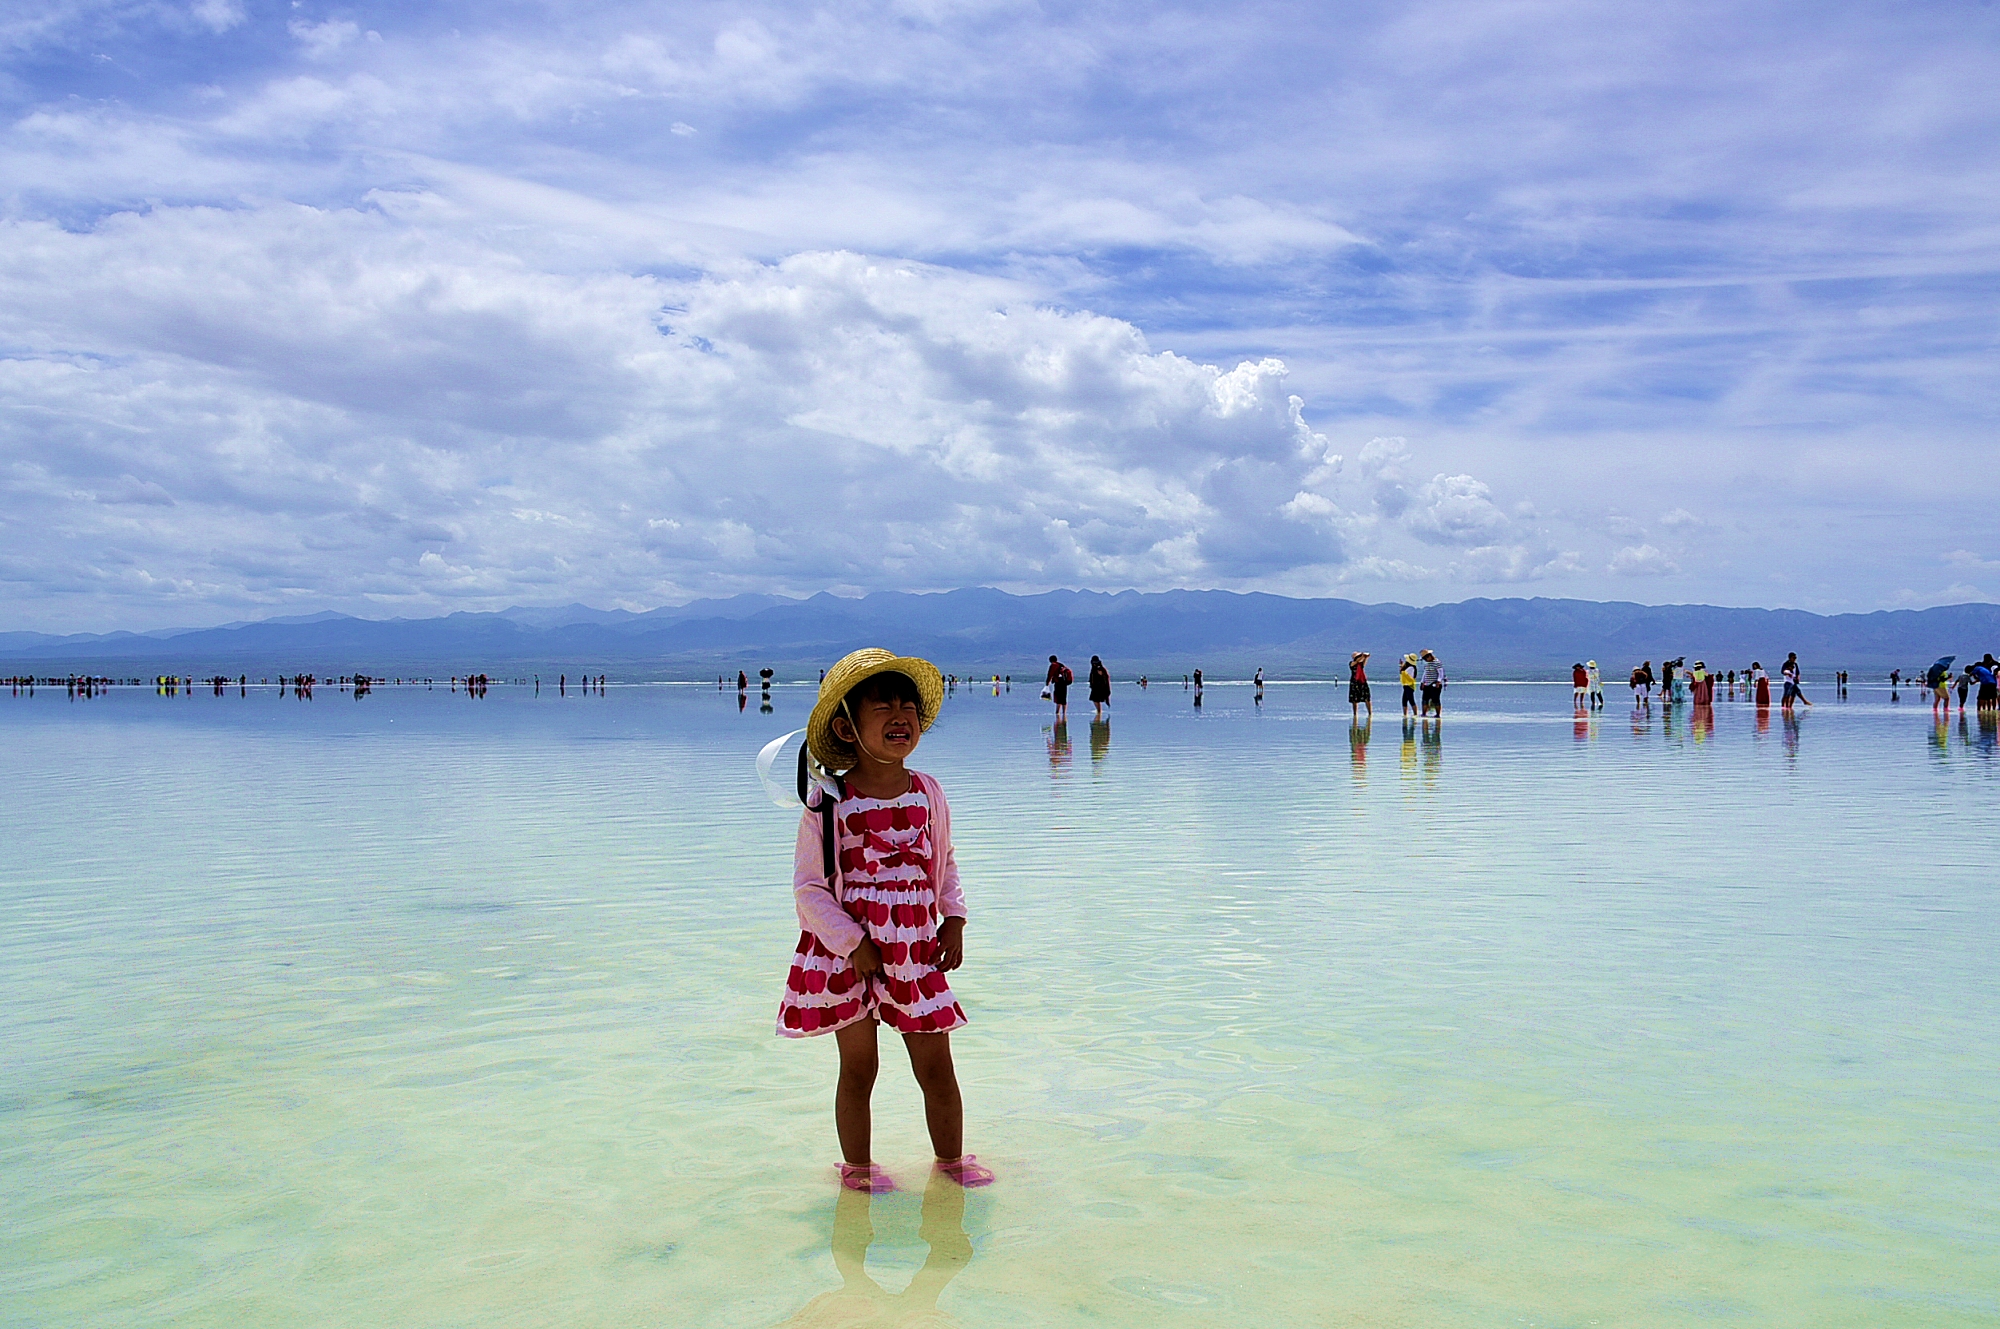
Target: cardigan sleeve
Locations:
point(950, 896)
point(818, 904)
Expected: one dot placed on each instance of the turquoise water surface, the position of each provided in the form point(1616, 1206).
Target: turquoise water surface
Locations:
point(420, 1010)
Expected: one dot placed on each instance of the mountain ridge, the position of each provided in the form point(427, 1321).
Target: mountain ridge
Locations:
point(979, 630)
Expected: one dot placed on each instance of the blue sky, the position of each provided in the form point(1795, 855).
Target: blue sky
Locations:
point(400, 310)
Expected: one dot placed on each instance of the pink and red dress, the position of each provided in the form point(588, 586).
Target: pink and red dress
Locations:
point(894, 879)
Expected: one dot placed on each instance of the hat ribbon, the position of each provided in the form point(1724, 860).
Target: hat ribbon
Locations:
point(781, 795)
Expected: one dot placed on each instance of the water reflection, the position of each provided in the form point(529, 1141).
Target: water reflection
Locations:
point(1357, 748)
point(862, 1303)
point(1059, 751)
point(1423, 749)
point(1100, 740)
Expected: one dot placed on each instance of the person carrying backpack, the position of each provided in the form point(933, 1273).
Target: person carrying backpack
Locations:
point(1056, 687)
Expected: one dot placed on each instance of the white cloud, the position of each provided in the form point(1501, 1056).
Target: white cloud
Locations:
point(1740, 273)
point(1456, 510)
point(1642, 561)
point(320, 41)
point(1375, 568)
point(1965, 558)
point(340, 404)
point(217, 15)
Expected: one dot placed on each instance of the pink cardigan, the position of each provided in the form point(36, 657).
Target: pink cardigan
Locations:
point(819, 900)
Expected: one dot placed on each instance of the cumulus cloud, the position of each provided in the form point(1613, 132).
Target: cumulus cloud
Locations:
point(1642, 561)
point(470, 314)
point(312, 402)
point(1456, 510)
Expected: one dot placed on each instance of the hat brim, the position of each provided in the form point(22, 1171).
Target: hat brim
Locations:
point(848, 673)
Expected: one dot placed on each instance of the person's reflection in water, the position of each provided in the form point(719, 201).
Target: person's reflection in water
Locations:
point(1432, 738)
point(1100, 740)
point(862, 1303)
point(1791, 723)
point(742, 702)
point(764, 707)
point(1058, 747)
point(1989, 732)
point(1357, 748)
point(1704, 721)
point(1409, 753)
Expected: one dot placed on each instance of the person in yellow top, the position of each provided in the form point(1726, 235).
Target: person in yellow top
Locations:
point(1408, 677)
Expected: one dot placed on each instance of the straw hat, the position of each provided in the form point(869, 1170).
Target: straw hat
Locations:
point(826, 747)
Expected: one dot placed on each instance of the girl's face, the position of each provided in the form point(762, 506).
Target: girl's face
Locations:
point(885, 731)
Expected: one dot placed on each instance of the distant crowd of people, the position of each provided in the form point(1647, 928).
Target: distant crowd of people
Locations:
point(1422, 676)
point(1940, 682)
point(1682, 684)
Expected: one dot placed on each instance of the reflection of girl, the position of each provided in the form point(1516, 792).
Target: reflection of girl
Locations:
point(862, 1303)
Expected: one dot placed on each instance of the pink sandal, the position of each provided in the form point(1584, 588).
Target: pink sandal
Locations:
point(966, 1170)
point(866, 1177)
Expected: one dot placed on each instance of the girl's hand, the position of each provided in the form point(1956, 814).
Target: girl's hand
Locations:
point(866, 958)
point(949, 952)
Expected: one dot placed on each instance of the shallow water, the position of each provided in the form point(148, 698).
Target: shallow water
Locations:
point(421, 1010)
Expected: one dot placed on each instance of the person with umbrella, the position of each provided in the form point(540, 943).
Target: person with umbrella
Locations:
point(1938, 679)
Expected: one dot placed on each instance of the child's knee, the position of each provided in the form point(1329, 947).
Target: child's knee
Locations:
point(934, 1073)
point(858, 1070)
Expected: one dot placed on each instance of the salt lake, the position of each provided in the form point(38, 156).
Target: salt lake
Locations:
point(425, 1010)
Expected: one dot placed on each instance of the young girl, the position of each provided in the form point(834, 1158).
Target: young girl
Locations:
point(883, 926)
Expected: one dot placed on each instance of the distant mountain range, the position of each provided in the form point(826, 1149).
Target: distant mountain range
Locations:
point(983, 631)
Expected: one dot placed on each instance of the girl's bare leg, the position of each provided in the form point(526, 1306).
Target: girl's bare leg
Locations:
point(858, 1063)
point(944, 1110)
